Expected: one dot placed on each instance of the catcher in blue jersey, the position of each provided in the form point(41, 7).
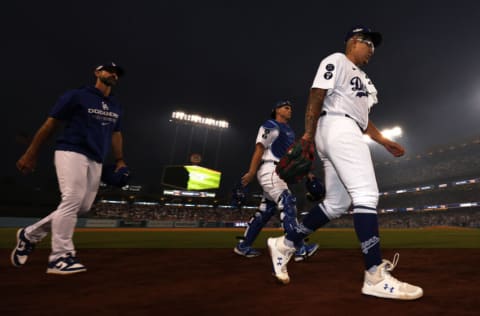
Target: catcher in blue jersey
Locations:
point(274, 137)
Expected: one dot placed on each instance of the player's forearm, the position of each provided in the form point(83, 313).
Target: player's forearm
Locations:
point(312, 113)
point(42, 135)
point(117, 146)
point(256, 159)
point(374, 133)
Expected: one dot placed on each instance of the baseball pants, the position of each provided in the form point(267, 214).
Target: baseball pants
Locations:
point(349, 173)
point(78, 179)
point(270, 182)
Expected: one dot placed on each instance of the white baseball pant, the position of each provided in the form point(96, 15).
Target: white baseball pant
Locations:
point(270, 182)
point(78, 179)
point(349, 173)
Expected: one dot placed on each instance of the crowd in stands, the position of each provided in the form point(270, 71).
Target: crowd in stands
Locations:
point(442, 164)
point(136, 212)
point(435, 196)
point(431, 168)
point(467, 217)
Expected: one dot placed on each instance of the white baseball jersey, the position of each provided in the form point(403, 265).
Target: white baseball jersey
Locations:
point(348, 167)
point(349, 90)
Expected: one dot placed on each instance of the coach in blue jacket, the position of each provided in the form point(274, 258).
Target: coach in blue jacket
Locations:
point(92, 125)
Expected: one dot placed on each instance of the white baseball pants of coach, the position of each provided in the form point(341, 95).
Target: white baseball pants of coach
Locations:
point(349, 172)
point(78, 179)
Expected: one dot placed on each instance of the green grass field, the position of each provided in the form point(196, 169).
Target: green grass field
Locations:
point(223, 238)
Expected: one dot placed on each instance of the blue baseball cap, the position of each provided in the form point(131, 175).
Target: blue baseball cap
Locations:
point(376, 37)
point(279, 104)
point(111, 66)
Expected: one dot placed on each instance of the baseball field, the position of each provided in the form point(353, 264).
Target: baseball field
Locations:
point(194, 272)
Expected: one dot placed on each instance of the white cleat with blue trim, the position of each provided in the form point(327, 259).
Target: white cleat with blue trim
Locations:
point(382, 284)
point(280, 255)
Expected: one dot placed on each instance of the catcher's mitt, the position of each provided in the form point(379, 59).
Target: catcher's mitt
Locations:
point(117, 178)
point(297, 162)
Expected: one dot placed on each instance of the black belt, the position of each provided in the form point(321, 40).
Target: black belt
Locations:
point(323, 113)
point(340, 114)
point(272, 161)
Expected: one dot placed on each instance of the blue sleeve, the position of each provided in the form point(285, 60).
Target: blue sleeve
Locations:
point(63, 108)
point(270, 124)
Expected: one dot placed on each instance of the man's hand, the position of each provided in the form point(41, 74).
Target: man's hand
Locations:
point(27, 163)
point(247, 178)
point(394, 148)
point(120, 164)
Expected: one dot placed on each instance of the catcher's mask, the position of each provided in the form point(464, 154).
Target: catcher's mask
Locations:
point(279, 104)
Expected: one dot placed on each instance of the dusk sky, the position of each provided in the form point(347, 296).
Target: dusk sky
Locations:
point(233, 61)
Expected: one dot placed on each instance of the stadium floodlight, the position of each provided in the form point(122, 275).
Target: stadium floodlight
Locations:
point(390, 133)
point(196, 119)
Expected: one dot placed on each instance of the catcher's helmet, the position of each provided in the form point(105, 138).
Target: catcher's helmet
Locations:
point(278, 105)
point(117, 178)
point(315, 189)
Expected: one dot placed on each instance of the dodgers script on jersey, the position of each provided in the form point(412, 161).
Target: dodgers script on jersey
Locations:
point(349, 90)
point(276, 138)
point(90, 120)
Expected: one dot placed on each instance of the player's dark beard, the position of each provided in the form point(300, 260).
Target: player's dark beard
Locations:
point(109, 81)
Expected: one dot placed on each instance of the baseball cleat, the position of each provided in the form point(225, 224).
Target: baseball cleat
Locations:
point(246, 251)
point(280, 255)
point(305, 251)
point(66, 265)
point(22, 250)
point(382, 284)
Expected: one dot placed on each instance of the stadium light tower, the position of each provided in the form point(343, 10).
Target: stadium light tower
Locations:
point(196, 120)
point(390, 133)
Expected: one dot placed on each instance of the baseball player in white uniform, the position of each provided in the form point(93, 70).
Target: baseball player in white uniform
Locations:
point(92, 120)
point(336, 119)
point(273, 139)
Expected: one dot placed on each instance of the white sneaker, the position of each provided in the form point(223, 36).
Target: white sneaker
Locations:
point(66, 265)
point(382, 284)
point(280, 254)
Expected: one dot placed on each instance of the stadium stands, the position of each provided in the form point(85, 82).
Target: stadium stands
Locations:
point(442, 164)
point(436, 188)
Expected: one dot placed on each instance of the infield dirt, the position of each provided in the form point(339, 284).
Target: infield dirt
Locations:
point(218, 282)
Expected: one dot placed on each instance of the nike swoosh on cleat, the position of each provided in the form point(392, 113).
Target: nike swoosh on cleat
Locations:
point(21, 246)
point(61, 265)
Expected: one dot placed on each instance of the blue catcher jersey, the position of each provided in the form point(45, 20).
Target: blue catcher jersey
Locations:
point(276, 138)
point(90, 119)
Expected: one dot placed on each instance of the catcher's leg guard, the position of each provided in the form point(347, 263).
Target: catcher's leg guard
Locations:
point(315, 219)
point(287, 204)
point(258, 220)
